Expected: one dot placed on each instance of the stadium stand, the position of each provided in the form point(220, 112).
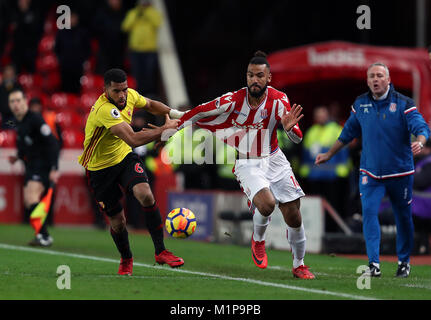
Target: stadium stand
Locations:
point(72, 109)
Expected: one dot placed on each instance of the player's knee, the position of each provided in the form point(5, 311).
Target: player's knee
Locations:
point(266, 208)
point(143, 193)
point(118, 222)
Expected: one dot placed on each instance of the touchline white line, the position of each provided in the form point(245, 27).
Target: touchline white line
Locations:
point(204, 274)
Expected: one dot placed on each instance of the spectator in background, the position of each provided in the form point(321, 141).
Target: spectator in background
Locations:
point(330, 180)
point(112, 41)
point(72, 47)
point(8, 84)
point(27, 26)
point(142, 24)
point(421, 203)
point(4, 23)
point(50, 117)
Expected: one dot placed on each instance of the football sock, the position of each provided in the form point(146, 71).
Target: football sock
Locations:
point(154, 223)
point(296, 238)
point(260, 223)
point(121, 240)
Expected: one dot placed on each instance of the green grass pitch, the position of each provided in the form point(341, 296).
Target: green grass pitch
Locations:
point(211, 272)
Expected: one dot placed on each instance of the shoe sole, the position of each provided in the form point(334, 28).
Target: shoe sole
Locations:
point(295, 276)
point(176, 266)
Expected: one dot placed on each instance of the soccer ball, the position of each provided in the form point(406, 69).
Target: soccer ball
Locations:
point(180, 223)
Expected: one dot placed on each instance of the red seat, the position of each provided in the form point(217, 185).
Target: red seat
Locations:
point(50, 26)
point(46, 44)
point(91, 82)
point(47, 63)
point(73, 138)
point(88, 99)
point(30, 81)
point(131, 82)
point(7, 138)
point(35, 93)
point(63, 100)
point(70, 119)
point(52, 82)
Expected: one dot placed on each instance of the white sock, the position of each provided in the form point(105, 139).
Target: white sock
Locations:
point(260, 223)
point(296, 238)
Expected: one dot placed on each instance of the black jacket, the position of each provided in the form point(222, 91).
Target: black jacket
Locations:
point(36, 144)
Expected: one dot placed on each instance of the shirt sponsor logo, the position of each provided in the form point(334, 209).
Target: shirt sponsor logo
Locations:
point(240, 113)
point(258, 125)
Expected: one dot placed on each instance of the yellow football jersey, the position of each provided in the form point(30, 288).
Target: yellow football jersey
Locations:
point(102, 149)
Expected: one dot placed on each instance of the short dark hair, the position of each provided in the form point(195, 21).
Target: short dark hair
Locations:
point(114, 75)
point(17, 90)
point(259, 57)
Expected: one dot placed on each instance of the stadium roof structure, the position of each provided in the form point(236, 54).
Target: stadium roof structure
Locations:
point(410, 68)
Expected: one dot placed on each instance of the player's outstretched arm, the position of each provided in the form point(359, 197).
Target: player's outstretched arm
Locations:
point(323, 157)
point(158, 109)
point(134, 139)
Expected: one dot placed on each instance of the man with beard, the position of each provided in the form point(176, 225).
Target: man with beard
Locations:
point(110, 162)
point(247, 119)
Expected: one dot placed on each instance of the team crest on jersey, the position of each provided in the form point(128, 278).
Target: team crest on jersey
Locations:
point(393, 107)
point(264, 113)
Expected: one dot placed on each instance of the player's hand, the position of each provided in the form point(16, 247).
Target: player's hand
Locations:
point(322, 158)
point(416, 148)
point(169, 128)
point(291, 118)
point(170, 123)
point(54, 175)
point(12, 159)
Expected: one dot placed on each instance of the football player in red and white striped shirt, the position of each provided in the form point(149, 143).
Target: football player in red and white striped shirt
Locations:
point(247, 119)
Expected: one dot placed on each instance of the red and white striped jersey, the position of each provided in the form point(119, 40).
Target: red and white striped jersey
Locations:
point(252, 131)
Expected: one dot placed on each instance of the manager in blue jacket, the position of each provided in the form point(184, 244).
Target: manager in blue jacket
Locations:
point(385, 119)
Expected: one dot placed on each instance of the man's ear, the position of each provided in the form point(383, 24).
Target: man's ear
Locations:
point(270, 77)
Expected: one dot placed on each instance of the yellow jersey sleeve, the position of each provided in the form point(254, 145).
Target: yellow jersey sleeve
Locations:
point(108, 115)
point(138, 100)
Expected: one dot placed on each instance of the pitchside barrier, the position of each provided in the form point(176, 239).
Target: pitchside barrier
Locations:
point(224, 217)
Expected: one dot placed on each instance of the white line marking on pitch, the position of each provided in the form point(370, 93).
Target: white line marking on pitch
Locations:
point(212, 275)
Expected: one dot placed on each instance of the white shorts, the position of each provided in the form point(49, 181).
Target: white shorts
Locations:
point(273, 172)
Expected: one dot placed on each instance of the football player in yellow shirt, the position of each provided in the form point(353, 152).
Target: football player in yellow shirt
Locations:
point(110, 162)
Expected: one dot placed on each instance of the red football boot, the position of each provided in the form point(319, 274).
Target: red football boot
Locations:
point(302, 272)
point(126, 267)
point(167, 257)
point(258, 253)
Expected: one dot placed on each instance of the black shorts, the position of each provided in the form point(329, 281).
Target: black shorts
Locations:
point(37, 173)
point(105, 183)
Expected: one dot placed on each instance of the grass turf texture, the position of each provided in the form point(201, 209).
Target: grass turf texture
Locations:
point(211, 271)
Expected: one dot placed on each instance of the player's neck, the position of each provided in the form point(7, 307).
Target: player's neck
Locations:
point(255, 102)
